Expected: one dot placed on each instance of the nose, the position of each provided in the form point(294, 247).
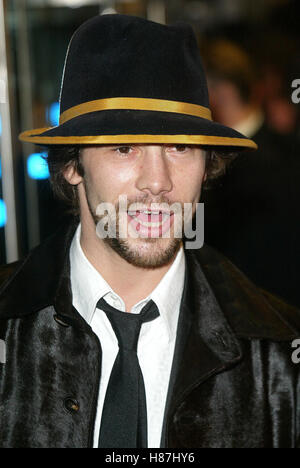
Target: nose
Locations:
point(154, 174)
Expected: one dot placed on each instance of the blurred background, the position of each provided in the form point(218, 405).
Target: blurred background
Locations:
point(251, 51)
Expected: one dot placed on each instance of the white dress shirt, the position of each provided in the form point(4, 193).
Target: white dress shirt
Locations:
point(157, 338)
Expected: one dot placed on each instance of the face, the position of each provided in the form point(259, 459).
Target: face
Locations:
point(160, 178)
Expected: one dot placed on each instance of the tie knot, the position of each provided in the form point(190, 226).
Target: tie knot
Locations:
point(127, 326)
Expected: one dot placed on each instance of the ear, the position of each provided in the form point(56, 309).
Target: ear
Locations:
point(72, 176)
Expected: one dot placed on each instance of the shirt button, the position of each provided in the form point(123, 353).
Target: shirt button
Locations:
point(71, 405)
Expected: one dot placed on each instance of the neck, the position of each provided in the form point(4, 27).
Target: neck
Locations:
point(123, 277)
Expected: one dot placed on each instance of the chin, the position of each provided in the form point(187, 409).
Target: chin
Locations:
point(146, 252)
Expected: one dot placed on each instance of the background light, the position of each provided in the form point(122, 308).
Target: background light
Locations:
point(3, 216)
point(109, 11)
point(52, 114)
point(68, 3)
point(37, 167)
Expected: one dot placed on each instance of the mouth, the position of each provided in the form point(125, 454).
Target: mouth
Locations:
point(151, 223)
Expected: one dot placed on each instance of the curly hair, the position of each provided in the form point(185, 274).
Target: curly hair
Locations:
point(60, 157)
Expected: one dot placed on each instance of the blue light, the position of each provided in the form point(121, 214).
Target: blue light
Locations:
point(3, 216)
point(37, 167)
point(52, 114)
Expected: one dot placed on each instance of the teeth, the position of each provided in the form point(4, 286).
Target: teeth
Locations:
point(135, 213)
point(150, 224)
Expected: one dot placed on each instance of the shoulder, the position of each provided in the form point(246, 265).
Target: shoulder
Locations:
point(287, 311)
point(252, 311)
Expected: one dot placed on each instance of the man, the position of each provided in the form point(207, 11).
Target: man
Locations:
point(134, 340)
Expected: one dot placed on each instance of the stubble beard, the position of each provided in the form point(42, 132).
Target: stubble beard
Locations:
point(143, 252)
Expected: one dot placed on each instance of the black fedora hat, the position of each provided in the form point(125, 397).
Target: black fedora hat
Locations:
point(130, 80)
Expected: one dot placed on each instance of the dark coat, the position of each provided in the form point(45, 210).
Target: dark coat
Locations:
point(233, 381)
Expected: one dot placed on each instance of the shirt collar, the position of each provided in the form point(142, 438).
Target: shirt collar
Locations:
point(88, 286)
point(167, 294)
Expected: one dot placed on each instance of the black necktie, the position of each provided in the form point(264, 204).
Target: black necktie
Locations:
point(124, 416)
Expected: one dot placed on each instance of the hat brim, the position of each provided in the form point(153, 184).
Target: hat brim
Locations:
point(138, 126)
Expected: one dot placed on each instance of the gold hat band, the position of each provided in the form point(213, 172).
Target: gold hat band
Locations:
point(158, 105)
point(33, 137)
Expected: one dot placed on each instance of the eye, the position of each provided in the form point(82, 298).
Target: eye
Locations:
point(123, 149)
point(179, 148)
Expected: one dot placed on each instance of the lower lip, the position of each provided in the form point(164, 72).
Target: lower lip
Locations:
point(151, 231)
